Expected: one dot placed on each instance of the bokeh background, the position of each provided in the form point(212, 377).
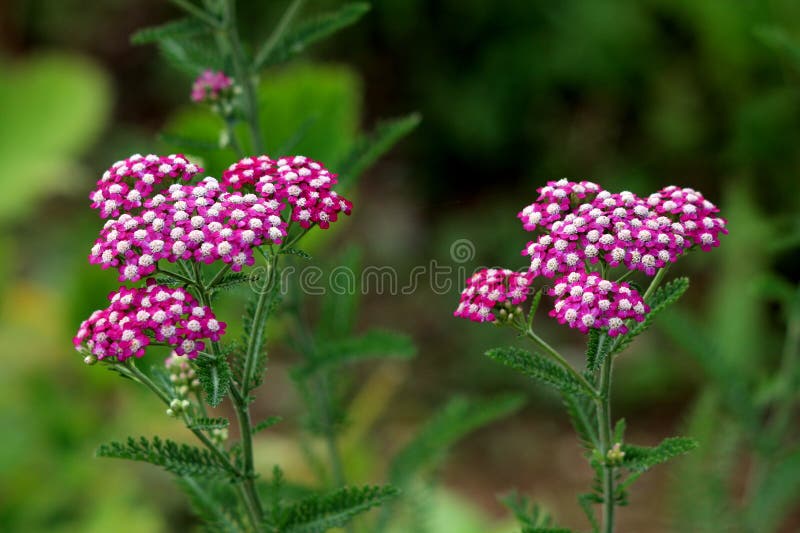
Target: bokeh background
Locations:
point(633, 95)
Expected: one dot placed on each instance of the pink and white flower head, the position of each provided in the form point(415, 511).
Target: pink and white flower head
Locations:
point(139, 316)
point(303, 185)
point(489, 289)
point(585, 301)
point(555, 199)
point(190, 222)
point(129, 182)
point(696, 215)
point(618, 229)
point(209, 86)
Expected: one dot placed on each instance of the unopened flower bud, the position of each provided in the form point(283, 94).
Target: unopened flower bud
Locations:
point(90, 359)
point(615, 455)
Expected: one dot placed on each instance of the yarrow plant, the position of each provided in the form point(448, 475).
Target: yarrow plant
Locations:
point(587, 241)
point(178, 237)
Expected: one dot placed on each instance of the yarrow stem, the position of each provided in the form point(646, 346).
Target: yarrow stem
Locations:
point(604, 429)
point(247, 488)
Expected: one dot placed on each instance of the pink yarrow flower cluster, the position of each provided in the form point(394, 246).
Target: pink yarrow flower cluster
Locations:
point(210, 85)
point(302, 184)
point(583, 223)
point(581, 228)
point(129, 182)
point(489, 289)
point(139, 316)
point(585, 301)
point(189, 222)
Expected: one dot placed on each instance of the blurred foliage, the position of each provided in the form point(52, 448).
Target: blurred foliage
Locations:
point(635, 95)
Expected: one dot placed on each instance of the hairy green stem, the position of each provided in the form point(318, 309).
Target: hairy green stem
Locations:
point(136, 374)
point(278, 32)
point(552, 352)
point(246, 485)
point(191, 8)
point(604, 429)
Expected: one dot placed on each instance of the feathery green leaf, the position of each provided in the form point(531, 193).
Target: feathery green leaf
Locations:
point(207, 424)
point(266, 424)
point(642, 458)
point(537, 367)
point(180, 459)
point(295, 41)
point(317, 514)
point(176, 28)
point(369, 148)
point(214, 374)
point(662, 298)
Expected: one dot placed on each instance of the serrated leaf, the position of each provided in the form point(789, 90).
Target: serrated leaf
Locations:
point(207, 424)
point(234, 279)
point(369, 148)
point(619, 430)
point(192, 56)
point(296, 41)
point(642, 458)
point(295, 251)
point(537, 298)
point(373, 344)
point(214, 374)
point(579, 409)
point(180, 459)
point(455, 420)
point(538, 367)
point(266, 424)
point(597, 350)
point(317, 514)
point(587, 502)
point(177, 28)
point(662, 298)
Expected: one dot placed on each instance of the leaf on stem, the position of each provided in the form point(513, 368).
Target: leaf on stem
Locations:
point(307, 33)
point(266, 424)
point(177, 28)
point(207, 424)
point(368, 148)
point(662, 298)
point(597, 350)
point(642, 458)
point(317, 514)
point(215, 377)
point(538, 367)
point(180, 459)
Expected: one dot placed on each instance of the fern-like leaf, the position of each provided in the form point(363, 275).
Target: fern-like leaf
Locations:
point(538, 367)
point(176, 28)
point(266, 424)
point(369, 148)
point(214, 374)
point(642, 458)
point(597, 350)
point(317, 514)
point(207, 424)
point(662, 298)
point(307, 33)
point(180, 459)
point(579, 411)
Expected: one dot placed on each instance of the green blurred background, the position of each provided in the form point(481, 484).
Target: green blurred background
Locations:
point(633, 95)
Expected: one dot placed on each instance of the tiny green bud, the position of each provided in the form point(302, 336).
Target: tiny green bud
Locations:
point(502, 314)
point(171, 413)
point(185, 404)
point(90, 359)
point(175, 405)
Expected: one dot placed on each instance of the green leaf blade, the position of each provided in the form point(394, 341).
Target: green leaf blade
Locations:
point(307, 33)
point(321, 513)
